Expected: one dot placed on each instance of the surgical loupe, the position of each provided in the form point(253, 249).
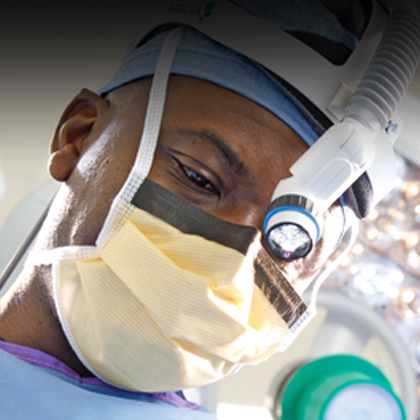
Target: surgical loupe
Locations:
point(290, 227)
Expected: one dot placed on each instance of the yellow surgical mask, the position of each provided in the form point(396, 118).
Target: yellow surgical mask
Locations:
point(169, 297)
point(158, 309)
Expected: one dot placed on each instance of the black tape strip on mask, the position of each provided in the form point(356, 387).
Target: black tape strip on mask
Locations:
point(277, 289)
point(190, 219)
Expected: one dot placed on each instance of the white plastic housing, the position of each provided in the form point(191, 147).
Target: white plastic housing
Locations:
point(332, 164)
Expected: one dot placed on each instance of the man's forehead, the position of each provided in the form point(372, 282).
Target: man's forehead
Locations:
point(248, 138)
point(217, 112)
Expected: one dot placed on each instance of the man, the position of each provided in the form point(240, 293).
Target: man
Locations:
point(217, 149)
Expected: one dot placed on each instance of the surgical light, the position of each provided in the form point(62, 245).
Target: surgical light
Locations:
point(322, 174)
point(356, 145)
point(289, 241)
point(291, 236)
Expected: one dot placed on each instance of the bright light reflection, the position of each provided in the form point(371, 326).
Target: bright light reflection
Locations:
point(357, 249)
point(373, 214)
point(412, 239)
point(372, 233)
point(345, 261)
point(408, 304)
point(410, 189)
point(354, 269)
point(407, 296)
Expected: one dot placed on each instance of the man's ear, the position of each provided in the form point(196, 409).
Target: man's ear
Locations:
point(72, 131)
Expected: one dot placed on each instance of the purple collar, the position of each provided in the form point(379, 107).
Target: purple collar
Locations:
point(44, 360)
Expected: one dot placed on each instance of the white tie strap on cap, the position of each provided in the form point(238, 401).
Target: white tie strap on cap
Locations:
point(149, 139)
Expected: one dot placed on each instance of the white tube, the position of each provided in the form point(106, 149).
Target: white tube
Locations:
point(391, 68)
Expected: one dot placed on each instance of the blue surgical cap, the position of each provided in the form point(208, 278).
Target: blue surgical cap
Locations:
point(201, 57)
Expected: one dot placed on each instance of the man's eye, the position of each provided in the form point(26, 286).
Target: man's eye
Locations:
point(199, 180)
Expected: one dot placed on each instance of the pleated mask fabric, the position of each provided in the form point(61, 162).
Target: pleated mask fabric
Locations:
point(159, 309)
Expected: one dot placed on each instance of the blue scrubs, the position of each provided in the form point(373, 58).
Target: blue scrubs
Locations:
point(36, 386)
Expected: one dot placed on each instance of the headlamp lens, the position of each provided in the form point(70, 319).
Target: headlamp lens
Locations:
point(288, 241)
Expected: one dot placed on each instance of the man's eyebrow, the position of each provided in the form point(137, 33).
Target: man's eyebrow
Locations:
point(234, 161)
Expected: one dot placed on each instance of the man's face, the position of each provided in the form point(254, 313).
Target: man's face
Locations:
point(222, 152)
point(216, 149)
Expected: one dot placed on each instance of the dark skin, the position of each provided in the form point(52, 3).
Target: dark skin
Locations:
point(216, 149)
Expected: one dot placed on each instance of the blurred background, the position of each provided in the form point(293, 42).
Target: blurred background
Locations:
point(369, 307)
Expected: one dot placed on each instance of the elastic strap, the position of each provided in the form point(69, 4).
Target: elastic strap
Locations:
point(154, 113)
point(149, 139)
